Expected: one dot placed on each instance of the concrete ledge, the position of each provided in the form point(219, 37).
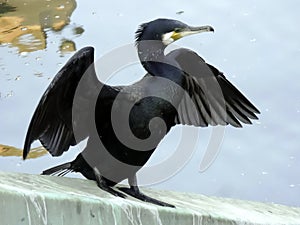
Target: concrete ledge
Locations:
point(38, 200)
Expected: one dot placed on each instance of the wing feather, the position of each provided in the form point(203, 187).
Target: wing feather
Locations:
point(52, 120)
point(213, 100)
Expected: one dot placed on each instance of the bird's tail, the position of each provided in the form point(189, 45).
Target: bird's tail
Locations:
point(59, 170)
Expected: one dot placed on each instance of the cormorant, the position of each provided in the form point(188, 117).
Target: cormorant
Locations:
point(124, 124)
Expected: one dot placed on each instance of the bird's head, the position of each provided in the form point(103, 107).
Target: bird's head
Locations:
point(167, 31)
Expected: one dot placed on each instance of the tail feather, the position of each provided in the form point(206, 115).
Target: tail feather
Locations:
point(59, 170)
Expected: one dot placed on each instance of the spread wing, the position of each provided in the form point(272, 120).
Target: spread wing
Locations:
point(52, 119)
point(211, 99)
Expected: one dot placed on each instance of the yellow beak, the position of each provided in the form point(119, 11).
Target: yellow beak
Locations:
point(172, 36)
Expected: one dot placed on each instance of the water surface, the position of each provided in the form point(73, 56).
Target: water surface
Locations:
point(256, 44)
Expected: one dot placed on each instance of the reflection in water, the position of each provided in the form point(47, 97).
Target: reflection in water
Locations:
point(67, 46)
point(23, 23)
point(5, 8)
point(6, 150)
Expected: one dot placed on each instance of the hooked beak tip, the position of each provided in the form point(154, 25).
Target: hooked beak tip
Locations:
point(202, 29)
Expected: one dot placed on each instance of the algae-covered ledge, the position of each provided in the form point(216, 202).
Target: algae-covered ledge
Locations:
point(37, 200)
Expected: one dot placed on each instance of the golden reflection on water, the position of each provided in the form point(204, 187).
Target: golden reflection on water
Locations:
point(6, 150)
point(23, 23)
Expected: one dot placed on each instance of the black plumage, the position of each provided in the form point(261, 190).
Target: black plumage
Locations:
point(125, 124)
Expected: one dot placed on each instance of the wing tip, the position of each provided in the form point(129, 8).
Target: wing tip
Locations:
point(257, 111)
point(86, 53)
point(88, 50)
point(27, 144)
point(26, 150)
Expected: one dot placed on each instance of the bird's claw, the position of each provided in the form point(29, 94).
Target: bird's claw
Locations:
point(134, 192)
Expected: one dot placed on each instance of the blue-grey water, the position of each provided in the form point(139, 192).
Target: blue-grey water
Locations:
point(256, 44)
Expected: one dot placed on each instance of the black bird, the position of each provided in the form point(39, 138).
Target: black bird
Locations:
point(124, 124)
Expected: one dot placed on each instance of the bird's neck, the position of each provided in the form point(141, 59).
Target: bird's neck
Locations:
point(153, 59)
point(150, 52)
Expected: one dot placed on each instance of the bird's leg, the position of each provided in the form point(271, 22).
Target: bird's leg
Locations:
point(134, 191)
point(103, 185)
